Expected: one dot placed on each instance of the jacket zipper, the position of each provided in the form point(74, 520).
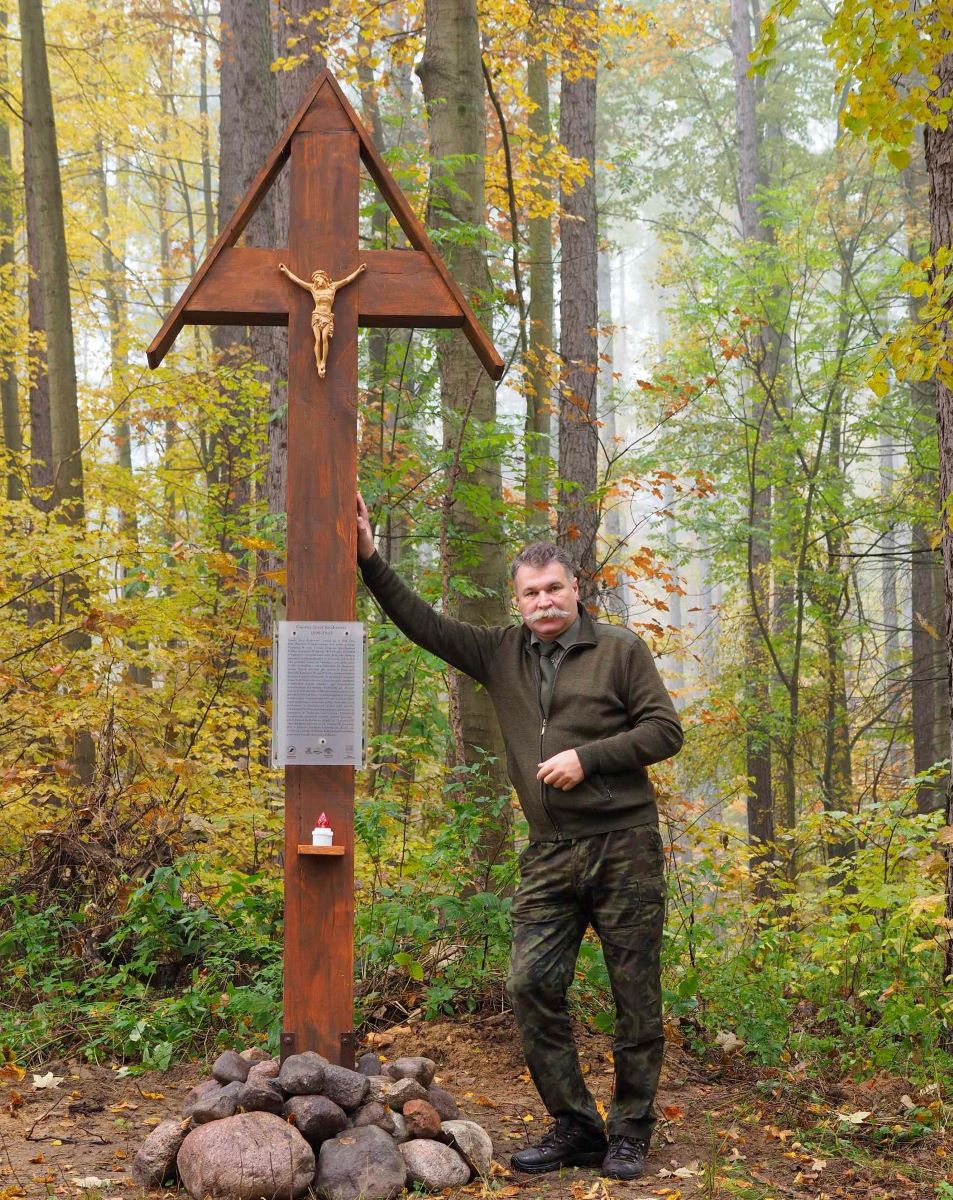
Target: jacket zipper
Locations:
point(542, 734)
point(542, 728)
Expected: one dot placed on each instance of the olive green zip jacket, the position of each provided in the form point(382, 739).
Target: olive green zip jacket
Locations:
point(608, 704)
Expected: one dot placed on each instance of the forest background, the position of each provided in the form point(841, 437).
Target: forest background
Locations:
point(712, 249)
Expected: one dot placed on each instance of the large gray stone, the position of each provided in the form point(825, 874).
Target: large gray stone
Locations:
point(316, 1117)
point(433, 1165)
point(395, 1092)
point(378, 1086)
point(230, 1067)
point(412, 1067)
point(196, 1094)
point(246, 1157)
point(374, 1114)
point(302, 1074)
point(215, 1106)
point(370, 1064)
point(155, 1162)
point(472, 1141)
point(260, 1096)
point(344, 1087)
point(361, 1164)
point(443, 1102)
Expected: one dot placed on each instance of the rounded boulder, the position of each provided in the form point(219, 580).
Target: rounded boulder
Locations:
point(361, 1164)
point(215, 1106)
point(370, 1064)
point(374, 1114)
point(256, 1054)
point(261, 1071)
point(472, 1141)
point(412, 1067)
point(315, 1117)
point(195, 1095)
point(344, 1087)
point(258, 1096)
point(443, 1102)
point(155, 1162)
point(230, 1067)
point(302, 1074)
point(423, 1120)
point(433, 1165)
point(246, 1157)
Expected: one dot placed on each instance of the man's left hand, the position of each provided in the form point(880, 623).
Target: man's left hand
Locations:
point(562, 771)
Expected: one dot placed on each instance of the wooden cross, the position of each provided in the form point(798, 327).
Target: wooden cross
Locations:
point(242, 285)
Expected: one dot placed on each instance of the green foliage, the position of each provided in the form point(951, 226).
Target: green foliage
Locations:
point(843, 971)
point(178, 974)
point(431, 914)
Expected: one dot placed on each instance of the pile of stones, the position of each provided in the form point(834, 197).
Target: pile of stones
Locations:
point(260, 1128)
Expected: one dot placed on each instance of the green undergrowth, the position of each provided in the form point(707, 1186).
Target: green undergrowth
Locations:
point(841, 972)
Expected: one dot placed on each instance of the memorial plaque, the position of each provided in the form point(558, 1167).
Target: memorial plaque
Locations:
point(318, 711)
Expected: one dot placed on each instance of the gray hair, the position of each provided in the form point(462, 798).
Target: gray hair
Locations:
point(541, 554)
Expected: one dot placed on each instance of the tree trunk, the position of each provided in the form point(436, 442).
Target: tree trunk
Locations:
point(760, 804)
point(538, 376)
point(928, 692)
point(894, 686)
point(246, 128)
point(47, 253)
point(578, 508)
point(114, 292)
point(614, 597)
point(451, 74)
point(9, 395)
point(939, 161)
point(44, 200)
point(208, 200)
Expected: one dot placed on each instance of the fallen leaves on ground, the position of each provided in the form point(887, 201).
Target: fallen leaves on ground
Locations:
point(49, 1080)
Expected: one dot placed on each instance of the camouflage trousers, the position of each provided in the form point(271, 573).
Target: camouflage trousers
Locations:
point(615, 883)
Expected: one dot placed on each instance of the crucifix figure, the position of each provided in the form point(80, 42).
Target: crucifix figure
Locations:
point(324, 146)
point(323, 289)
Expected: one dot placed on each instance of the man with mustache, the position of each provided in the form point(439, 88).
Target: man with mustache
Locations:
point(583, 712)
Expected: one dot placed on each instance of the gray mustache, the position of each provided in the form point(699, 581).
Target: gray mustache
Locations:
point(544, 614)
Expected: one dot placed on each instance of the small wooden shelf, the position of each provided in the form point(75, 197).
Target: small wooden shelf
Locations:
point(307, 849)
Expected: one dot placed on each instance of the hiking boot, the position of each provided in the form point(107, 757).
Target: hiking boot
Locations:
point(564, 1145)
point(626, 1158)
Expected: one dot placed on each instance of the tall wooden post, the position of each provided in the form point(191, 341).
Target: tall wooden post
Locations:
point(241, 285)
point(321, 500)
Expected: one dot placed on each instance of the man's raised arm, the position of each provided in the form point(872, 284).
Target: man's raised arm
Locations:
point(469, 648)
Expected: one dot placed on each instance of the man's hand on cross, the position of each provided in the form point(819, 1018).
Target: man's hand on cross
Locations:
point(562, 771)
point(365, 534)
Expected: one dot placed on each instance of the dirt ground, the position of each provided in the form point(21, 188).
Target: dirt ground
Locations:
point(728, 1129)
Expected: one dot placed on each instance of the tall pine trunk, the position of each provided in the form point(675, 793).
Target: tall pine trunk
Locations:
point(452, 78)
point(9, 394)
point(538, 375)
point(939, 161)
point(578, 509)
point(51, 315)
point(760, 803)
point(114, 293)
point(928, 692)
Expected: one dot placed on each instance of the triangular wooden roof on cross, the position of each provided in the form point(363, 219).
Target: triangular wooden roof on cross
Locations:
point(430, 297)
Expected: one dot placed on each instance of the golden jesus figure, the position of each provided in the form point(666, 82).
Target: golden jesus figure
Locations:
point(323, 290)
